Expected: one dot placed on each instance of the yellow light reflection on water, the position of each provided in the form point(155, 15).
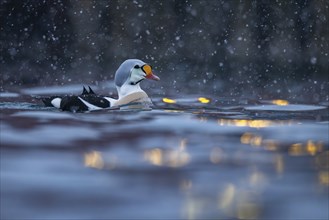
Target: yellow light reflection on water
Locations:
point(247, 123)
point(313, 148)
point(310, 148)
point(203, 100)
point(246, 137)
point(154, 156)
point(256, 141)
point(280, 102)
point(93, 159)
point(297, 149)
point(168, 157)
point(252, 139)
point(259, 123)
point(240, 123)
point(169, 101)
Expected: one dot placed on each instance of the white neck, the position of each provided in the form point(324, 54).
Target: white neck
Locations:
point(127, 89)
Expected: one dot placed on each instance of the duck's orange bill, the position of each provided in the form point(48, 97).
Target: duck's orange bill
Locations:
point(149, 74)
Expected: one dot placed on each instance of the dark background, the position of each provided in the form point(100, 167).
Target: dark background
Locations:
point(279, 48)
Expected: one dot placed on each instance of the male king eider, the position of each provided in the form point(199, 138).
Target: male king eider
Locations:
point(127, 78)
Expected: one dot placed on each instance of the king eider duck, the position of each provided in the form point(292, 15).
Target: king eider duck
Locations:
point(127, 80)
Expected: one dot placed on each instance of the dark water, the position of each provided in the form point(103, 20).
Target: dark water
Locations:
point(187, 158)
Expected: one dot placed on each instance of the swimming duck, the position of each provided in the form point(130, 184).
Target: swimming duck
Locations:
point(127, 80)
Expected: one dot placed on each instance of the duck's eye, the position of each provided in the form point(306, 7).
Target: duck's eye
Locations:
point(136, 67)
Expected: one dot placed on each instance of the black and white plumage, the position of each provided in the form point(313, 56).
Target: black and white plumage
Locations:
point(127, 80)
point(88, 100)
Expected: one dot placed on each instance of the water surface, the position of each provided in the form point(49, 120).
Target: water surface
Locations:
point(190, 157)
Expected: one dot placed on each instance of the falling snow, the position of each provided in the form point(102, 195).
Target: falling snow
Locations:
point(240, 43)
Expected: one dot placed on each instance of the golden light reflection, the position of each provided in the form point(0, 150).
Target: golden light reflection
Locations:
point(280, 102)
point(169, 101)
point(203, 100)
point(93, 159)
point(240, 123)
point(309, 148)
point(259, 123)
point(247, 123)
point(297, 149)
point(154, 156)
point(168, 157)
point(313, 148)
point(252, 139)
point(256, 141)
point(246, 137)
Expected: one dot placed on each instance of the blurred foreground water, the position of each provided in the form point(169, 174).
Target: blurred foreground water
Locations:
point(190, 157)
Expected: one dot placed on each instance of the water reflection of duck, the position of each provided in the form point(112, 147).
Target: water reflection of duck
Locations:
point(127, 78)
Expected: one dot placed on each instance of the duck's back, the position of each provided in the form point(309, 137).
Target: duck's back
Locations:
point(83, 103)
point(87, 101)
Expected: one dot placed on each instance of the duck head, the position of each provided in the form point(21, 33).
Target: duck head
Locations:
point(130, 73)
